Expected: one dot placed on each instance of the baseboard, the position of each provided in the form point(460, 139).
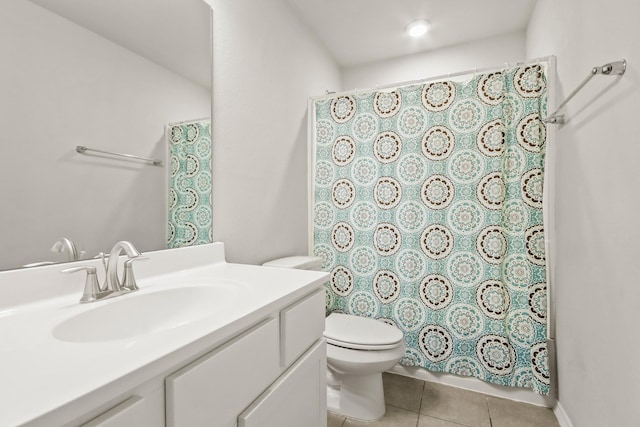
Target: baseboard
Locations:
point(561, 415)
point(479, 386)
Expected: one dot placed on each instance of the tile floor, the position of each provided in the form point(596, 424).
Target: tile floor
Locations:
point(415, 403)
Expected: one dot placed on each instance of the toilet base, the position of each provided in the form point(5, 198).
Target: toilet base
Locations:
point(360, 397)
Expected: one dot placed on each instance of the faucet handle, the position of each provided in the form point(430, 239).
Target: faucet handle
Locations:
point(92, 290)
point(129, 280)
point(102, 256)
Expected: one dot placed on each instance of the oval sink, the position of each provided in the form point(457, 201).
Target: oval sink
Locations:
point(140, 313)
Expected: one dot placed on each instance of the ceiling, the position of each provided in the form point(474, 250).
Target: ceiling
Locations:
point(357, 32)
point(175, 34)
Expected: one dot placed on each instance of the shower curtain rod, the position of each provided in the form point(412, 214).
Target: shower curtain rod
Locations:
point(616, 68)
point(329, 94)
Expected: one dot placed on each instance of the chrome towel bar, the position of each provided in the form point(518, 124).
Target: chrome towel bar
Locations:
point(83, 149)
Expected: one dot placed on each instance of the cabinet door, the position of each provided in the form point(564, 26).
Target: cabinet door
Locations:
point(214, 389)
point(301, 324)
point(298, 398)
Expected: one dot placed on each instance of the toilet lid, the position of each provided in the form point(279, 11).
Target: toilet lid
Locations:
point(360, 333)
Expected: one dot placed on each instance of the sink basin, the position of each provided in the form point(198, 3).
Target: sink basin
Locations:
point(140, 313)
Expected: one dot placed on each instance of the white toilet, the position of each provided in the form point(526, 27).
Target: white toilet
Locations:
point(359, 350)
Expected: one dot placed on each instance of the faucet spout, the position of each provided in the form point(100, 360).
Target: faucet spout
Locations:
point(112, 282)
point(66, 245)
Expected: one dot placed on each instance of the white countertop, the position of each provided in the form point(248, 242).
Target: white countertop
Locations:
point(44, 380)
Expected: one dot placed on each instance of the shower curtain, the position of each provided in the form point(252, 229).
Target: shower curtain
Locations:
point(428, 215)
point(190, 206)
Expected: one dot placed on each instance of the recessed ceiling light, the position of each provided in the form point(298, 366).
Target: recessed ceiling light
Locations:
point(418, 28)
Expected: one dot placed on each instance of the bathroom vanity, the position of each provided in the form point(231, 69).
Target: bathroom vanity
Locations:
point(203, 342)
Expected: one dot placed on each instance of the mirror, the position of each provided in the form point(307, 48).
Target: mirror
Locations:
point(110, 75)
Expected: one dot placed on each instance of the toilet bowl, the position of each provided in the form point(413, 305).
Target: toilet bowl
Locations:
point(359, 350)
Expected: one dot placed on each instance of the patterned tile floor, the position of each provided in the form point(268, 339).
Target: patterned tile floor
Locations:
point(414, 403)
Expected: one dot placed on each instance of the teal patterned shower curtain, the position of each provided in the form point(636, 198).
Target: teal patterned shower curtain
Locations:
point(190, 208)
point(428, 215)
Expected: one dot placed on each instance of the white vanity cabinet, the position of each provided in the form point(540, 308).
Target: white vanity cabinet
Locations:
point(272, 374)
point(276, 368)
point(242, 346)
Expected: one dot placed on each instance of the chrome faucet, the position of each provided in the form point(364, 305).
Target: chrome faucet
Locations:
point(112, 282)
point(112, 285)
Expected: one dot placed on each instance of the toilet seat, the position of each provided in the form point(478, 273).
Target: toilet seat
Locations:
point(360, 333)
point(352, 346)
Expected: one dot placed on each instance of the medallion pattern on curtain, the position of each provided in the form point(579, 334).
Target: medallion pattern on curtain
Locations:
point(190, 208)
point(428, 216)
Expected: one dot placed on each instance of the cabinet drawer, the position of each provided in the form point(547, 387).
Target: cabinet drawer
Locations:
point(213, 390)
point(298, 398)
point(301, 324)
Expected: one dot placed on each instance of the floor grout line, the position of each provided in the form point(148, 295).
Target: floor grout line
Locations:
point(421, 399)
point(444, 419)
point(420, 405)
point(402, 409)
point(486, 399)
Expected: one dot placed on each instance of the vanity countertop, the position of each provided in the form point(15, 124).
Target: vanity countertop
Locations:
point(44, 379)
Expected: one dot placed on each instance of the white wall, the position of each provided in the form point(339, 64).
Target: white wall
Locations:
point(63, 86)
point(597, 186)
point(266, 66)
point(482, 53)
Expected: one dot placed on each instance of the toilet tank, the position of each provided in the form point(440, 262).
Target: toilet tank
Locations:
point(298, 262)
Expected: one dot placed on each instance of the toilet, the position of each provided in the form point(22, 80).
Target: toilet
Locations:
point(359, 350)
